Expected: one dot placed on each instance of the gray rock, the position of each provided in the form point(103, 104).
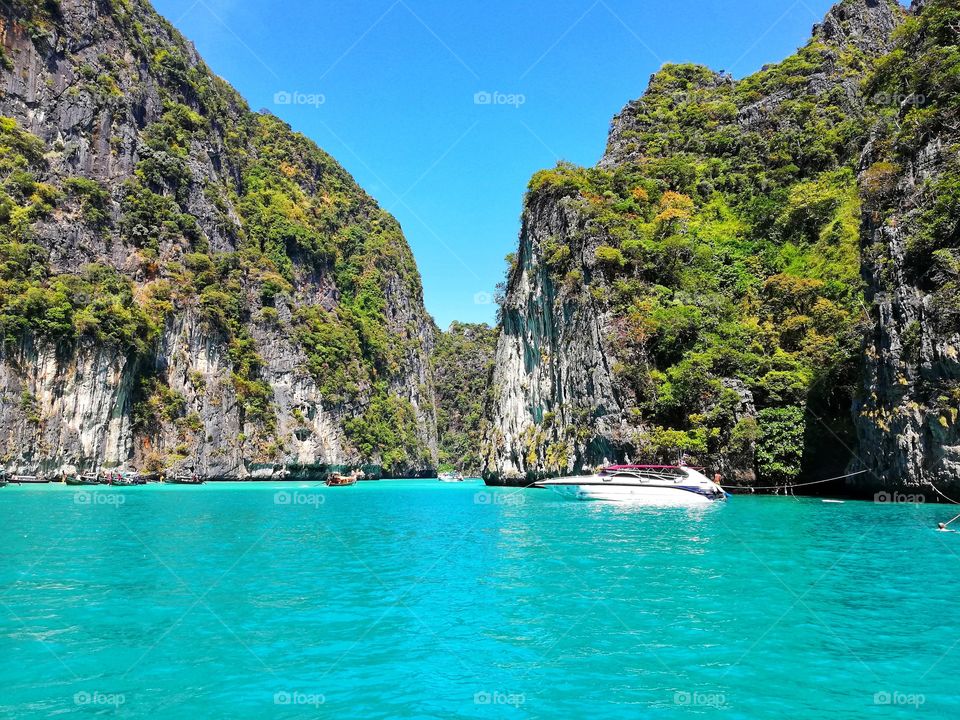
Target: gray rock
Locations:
point(907, 412)
point(75, 403)
point(552, 372)
point(553, 364)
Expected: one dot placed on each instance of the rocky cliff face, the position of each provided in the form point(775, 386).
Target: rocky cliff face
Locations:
point(910, 180)
point(697, 294)
point(185, 282)
point(553, 391)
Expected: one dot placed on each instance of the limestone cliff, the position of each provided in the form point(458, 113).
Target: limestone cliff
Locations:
point(697, 293)
point(910, 180)
point(552, 378)
point(184, 281)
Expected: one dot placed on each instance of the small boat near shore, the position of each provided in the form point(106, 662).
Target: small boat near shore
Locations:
point(641, 485)
point(341, 480)
point(184, 480)
point(125, 479)
point(82, 479)
point(185, 475)
point(29, 479)
point(450, 477)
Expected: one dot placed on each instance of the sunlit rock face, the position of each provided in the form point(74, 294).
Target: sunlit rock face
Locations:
point(560, 403)
point(908, 408)
point(260, 226)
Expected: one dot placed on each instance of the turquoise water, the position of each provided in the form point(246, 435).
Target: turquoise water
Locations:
point(417, 599)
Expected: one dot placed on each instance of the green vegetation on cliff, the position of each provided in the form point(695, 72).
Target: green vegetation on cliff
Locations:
point(911, 192)
point(97, 303)
point(728, 214)
point(462, 367)
point(228, 216)
point(923, 75)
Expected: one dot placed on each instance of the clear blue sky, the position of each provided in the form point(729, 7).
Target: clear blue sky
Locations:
point(398, 79)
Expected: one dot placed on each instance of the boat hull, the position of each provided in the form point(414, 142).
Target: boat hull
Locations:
point(635, 494)
point(676, 485)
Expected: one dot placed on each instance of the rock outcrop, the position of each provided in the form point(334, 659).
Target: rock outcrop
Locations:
point(579, 380)
point(552, 376)
point(866, 25)
point(910, 178)
point(255, 311)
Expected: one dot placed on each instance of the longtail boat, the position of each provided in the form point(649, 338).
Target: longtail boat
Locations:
point(340, 480)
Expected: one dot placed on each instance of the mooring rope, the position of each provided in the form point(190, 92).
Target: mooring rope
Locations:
point(840, 477)
point(795, 485)
point(949, 499)
point(943, 526)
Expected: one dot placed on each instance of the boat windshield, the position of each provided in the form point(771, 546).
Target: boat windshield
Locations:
point(668, 473)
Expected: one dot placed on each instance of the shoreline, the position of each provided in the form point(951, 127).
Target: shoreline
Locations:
point(888, 496)
point(833, 491)
point(237, 481)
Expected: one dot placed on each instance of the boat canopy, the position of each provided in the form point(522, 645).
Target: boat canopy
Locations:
point(652, 467)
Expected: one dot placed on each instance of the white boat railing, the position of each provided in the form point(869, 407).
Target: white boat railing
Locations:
point(647, 475)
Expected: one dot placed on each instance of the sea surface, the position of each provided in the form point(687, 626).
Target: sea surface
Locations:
point(418, 599)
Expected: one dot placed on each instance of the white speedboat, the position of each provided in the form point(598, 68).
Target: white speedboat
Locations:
point(641, 484)
point(450, 477)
